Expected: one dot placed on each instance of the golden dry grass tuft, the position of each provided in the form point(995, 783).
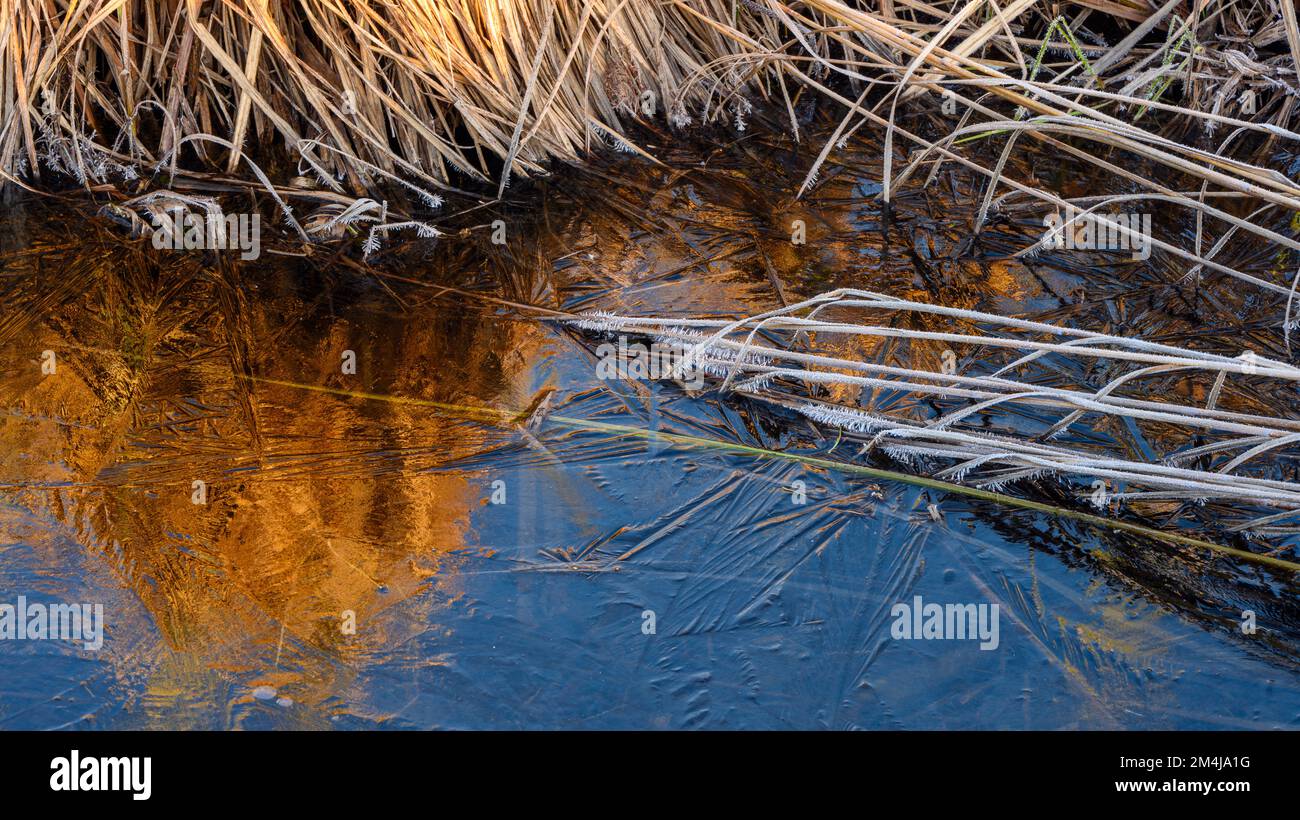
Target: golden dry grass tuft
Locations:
point(432, 95)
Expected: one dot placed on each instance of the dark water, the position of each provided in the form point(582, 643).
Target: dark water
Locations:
point(333, 496)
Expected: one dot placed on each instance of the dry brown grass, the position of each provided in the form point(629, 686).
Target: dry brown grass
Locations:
point(423, 96)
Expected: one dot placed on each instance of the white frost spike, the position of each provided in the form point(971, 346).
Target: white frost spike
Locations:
point(846, 418)
point(761, 382)
point(903, 455)
point(598, 320)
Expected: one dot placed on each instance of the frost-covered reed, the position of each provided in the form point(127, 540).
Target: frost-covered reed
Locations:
point(1001, 412)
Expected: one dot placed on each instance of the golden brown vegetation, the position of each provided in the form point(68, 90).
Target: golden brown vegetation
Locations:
point(422, 97)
